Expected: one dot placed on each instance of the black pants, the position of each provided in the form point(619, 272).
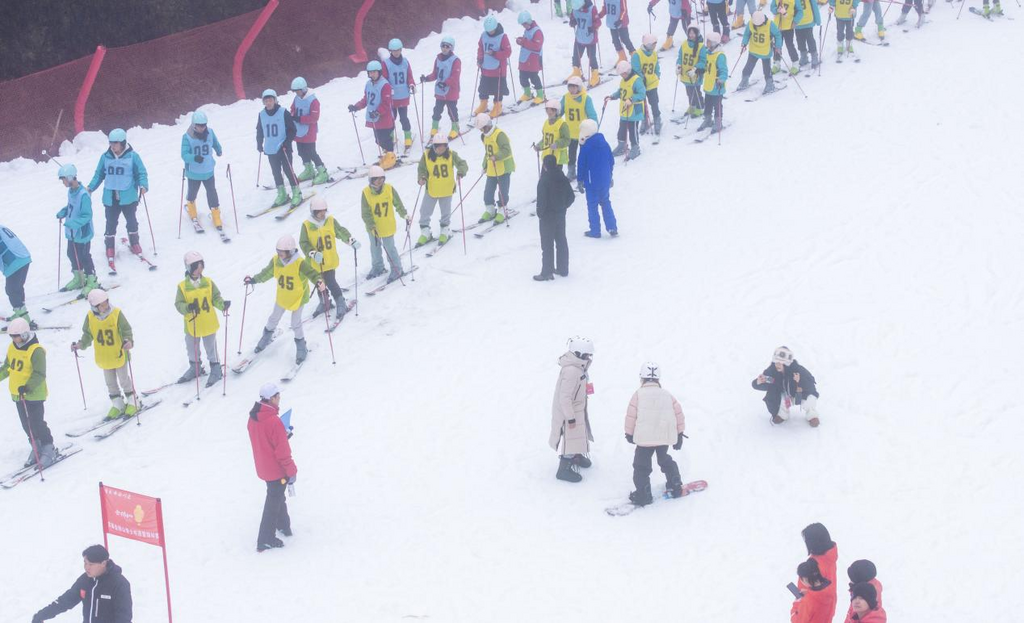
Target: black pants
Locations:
point(211, 190)
point(554, 248)
point(916, 4)
point(695, 95)
point(402, 114)
point(574, 147)
point(642, 465)
point(281, 162)
point(493, 86)
point(15, 286)
point(113, 214)
point(331, 281)
point(787, 36)
point(719, 17)
point(275, 512)
point(806, 44)
point(453, 110)
point(652, 99)
point(81, 257)
point(577, 54)
point(713, 107)
point(620, 37)
point(766, 66)
point(385, 138)
point(33, 424)
point(673, 22)
point(307, 151)
point(499, 184)
point(527, 78)
point(627, 129)
point(844, 30)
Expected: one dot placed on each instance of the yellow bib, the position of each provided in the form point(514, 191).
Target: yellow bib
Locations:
point(107, 340)
point(761, 38)
point(206, 322)
point(648, 63)
point(711, 72)
point(19, 368)
point(440, 175)
point(291, 287)
point(626, 90)
point(844, 9)
point(689, 61)
point(808, 16)
point(322, 239)
point(551, 131)
point(383, 208)
point(785, 22)
point(575, 113)
point(494, 169)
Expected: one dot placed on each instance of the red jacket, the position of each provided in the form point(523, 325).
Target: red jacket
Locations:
point(452, 95)
point(502, 55)
point(270, 448)
point(815, 606)
point(311, 120)
point(536, 44)
point(874, 616)
point(623, 19)
point(878, 589)
point(827, 566)
point(386, 117)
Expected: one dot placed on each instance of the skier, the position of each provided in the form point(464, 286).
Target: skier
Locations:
point(554, 196)
point(274, 465)
point(275, 129)
point(319, 241)
point(713, 71)
point(291, 272)
point(103, 591)
point(787, 13)
point(907, 5)
point(196, 147)
point(845, 12)
point(305, 113)
point(125, 182)
point(863, 571)
point(654, 420)
point(719, 17)
point(804, 27)
point(446, 73)
point(645, 63)
point(14, 260)
point(438, 170)
point(498, 164)
point(492, 54)
point(77, 217)
point(570, 423)
point(875, 7)
point(813, 606)
point(617, 14)
point(577, 105)
point(531, 59)
point(764, 38)
point(865, 604)
point(554, 136)
point(585, 20)
point(108, 327)
point(379, 203)
point(996, 9)
point(632, 109)
point(686, 68)
point(25, 369)
point(751, 7)
point(379, 115)
point(399, 75)
point(594, 171)
point(196, 298)
point(824, 553)
point(678, 11)
point(786, 381)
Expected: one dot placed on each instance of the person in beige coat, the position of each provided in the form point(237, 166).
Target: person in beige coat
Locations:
point(570, 426)
point(654, 420)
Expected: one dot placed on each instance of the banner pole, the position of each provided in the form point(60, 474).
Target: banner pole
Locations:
point(163, 549)
point(103, 515)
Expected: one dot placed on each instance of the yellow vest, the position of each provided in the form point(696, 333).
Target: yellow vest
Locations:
point(551, 131)
point(808, 16)
point(494, 169)
point(648, 63)
point(689, 61)
point(322, 239)
point(575, 112)
point(711, 71)
point(844, 9)
point(206, 322)
point(107, 340)
point(440, 175)
point(785, 22)
point(761, 38)
point(383, 208)
point(291, 287)
point(626, 91)
point(19, 368)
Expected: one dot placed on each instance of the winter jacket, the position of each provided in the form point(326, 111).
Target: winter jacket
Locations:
point(676, 8)
point(447, 87)
point(873, 616)
point(721, 68)
point(554, 191)
point(128, 158)
point(811, 20)
point(14, 254)
point(106, 599)
point(570, 404)
point(311, 119)
point(795, 13)
point(776, 382)
point(634, 112)
point(878, 590)
point(77, 215)
point(308, 273)
point(410, 81)
point(502, 54)
point(654, 417)
point(774, 44)
point(595, 165)
point(123, 327)
point(827, 566)
point(816, 606)
point(585, 36)
point(36, 383)
point(622, 21)
point(189, 157)
point(383, 117)
point(270, 448)
point(289, 129)
point(429, 157)
point(181, 305)
point(530, 58)
point(853, 10)
point(367, 213)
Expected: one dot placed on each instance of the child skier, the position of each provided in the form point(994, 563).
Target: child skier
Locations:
point(631, 96)
point(305, 112)
point(197, 298)
point(594, 172)
point(492, 54)
point(446, 73)
point(764, 39)
point(907, 5)
point(678, 11)
point(713, 70)
point(784, 381)
point(570, 424)
point(25, 369)
point(398, 72)
point(585, 20)
point(125, 182)
point(108, 327)
point(617, 15)
point(198, 145)
point(804, 27)
point(275, 130)
point(577, 106)
point(531, 59)
point(77, 217)
point(870, 7)
point(293, 274)
point(645, 63)
point(439, 169)
point(14, 260)
point(319, 241)
point(554, 136)
point(686, 68)
point(996, 9)
point(787, 13)
point(379, 114)
point(654, 421)
point(719, 17)
point(379, 203)
point(845, 11)
point(498, 164)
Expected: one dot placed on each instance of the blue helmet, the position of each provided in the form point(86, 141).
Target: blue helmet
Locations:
point(199, 117)
point(490, 23)
point(117, 135)
point(448, 40)
point(270, 93)
point(577, 5)
point(67, 171)
point(299, 84)
point(395, 44)
point(525, 18)
point(373, 66)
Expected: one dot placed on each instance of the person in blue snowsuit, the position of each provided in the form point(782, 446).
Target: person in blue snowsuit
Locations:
point(125, 182)
point(77, 217)
point(198, 146)
point(14, 260)
point(594, 168)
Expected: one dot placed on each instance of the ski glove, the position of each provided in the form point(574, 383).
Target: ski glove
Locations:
point(352, 108)
point(259, 148)
point(650, 9)
point(22, 391)
point(248, 280)
point(629, 438)
point(198, 158)
point(291, 481)
point(62, 213)
point(678, 445)
point(317, 257)
point(193, 307)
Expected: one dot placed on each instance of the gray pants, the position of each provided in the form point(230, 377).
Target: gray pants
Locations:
point(275, 317)
point(868, 9)
point(427, 210)
point(378, 258)
point(115, 377)
point(749, 4)
point(209, 343)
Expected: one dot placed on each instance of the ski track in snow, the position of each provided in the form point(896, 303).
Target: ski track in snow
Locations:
point(878, 239)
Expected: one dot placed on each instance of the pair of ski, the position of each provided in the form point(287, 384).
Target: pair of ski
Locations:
point(490, 223)
point(510, 213)
point(334, 322)
point(80, 297)
point(377, 290)
point(202, 230)
point(142, 258)
point(290, 208)
point(330, 180)
point(106, 427)
point(59, 327)
point(989, 17)
point(22, 474)
point(620, 510)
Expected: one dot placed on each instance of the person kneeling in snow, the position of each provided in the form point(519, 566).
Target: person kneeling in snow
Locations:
point(784, 382)
point(654, 420)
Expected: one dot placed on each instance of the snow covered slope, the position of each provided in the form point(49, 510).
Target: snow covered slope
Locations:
point(871, 227)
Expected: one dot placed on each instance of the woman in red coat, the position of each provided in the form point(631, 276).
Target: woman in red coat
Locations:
point(815, 605)
point(274, 465)
point(824, 552)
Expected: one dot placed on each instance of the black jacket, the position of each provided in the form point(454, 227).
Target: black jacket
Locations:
point(107, 599)
point(777, 382)
point(554, 190)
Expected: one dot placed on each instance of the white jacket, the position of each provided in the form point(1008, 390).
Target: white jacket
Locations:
point(654, 417)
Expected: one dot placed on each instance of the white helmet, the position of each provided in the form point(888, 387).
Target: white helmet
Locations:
point(576, 81)
point(650, 39)
point(318, 204)
point(581, 347)
point(552, 103)
point(714, 39)
point(623, 67)
point(375, 171)
point(191, 258)
point(588, 128)
point(439, 139)
point(782, 355)
point(20, 328)
point(481, 121)
point(650, 371)
point(286, 243)
point(96, 297)
point(758, 18)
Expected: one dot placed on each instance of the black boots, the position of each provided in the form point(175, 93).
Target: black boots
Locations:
point(567, 470)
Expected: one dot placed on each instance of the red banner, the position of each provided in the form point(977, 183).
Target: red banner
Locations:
point(131, 515)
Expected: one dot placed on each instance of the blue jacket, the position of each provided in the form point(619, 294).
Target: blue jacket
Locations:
point(853, 10)
point(139, 178)
point(13, 253)
point(77, 223)
point(814, 22)
point(723, 70)
point(189, 157)
point(595, 164)
point(639, 95)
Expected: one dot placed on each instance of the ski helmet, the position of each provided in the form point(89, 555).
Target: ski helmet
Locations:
point(588, 128)
point(286, 243)
point(395, 44)
point(269, 390)
point(373, 66)
point(375, 172)
point(714, 39)
point(695, 31)
point(270, 93)
point(758, 18)
point(649, 40)
point(439, 139)
point(552, 103)
point(449, 41)
point(199, 118)
point(623, 68)
point(490, 23)
point(318, 204)
point(577, 5)
point(299, 84)
point(525, 18)
point(117, 135)
point(67, 171)
point(19, 327)
point(782, 355)
point(581, 347)
point(482, 121)
point(576, 81)
point(191, 258)
point(650, 371)
point(96, 297)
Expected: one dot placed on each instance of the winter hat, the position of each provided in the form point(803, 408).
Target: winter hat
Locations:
point(867, 592)
point(268, 391)
point(550, 163)
point(782, 355)
point(817, 539)
point(96, 553)
point(862, 571)
point(809, 570)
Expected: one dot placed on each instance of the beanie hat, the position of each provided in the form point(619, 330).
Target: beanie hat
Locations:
point(809, 569)
point(817, 539)
point(96, 554)
point(862, 571)
point(867, 592)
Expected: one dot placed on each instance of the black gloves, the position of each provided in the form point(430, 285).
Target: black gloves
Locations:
point(227, 305)
point(193, 307)
point(198, 158)
point(259, 148)
point(678, 445)
point(291, 480)
point(352, 108)
point(22, 391)
point(629, 438)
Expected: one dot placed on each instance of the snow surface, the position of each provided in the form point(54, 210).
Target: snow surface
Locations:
point(870, 227)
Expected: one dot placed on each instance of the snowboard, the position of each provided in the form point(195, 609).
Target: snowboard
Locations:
point(620, 510)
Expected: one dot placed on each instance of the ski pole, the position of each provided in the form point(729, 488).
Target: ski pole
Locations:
point(419, 121)
point(476, 89)
point(195, 345)
point(241, 330)
point(391, 259)
point(512, 82)
point(504, 203)
point(234, 207)
point(538, 159)
point(795, 81)
point(720, 121)
point(601, 119)
point(462, 215)
point(821, 43)
point(675, 91)
point(181, 201)
point(224, 392)
point(259, 167)
point(359, 142)
point(60, 242)
point(732, 72)
point(80, 385)
point(32, 437)
point(327, 315)
point(355, 273)
point(962, 5)
point(408, 235)
point(135, 394)
point(152, 237)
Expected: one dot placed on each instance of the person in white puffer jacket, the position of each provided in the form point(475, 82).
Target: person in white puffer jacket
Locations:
point(654, 421)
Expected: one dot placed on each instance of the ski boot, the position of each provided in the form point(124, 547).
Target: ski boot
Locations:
point(645, 127)
point(496, 110)
point(77, 281)
point(281, 198)
point(271, 543)
point(839, 52)
point(488, 214)
point(31, 460)
point(634, 152)
point(697, 112)
point(619, 149)
point(47, 455)
point(744, 83)
point(454, 134)
point(815, 61)
point(527, 95)
point(576, 71)
point(920, 21)
point(434, 128)
point(133, 242)
point(567, 471)
point(216, 374)
point(322, 306)
point(707, 123)
point(997, 9)
point(481, 107)
point(296, 196)
point(558, 8)
point(307, 172)
point(571, 173)
point(321, 177)
point(408, 141)
point(374, 273)
point(902, 19)
point(91, 283)
point(674, 487)
point(539, 99)
point(614, 233)
point(194, 368)
point(581, 460)
point(641, 497)
point(592, 234)
point(20, 312)
point(668, 43)
point(425, 237)
point(388, 160)
point(446, 235)
point(300, 350)
point(768, 88)
point(117, 409)
point(849, 48)
point(264, 339)
point(776, 68)
point(544, 277)
point(725, 38)
point(595, 78)
point(394, 275)
point(193, 214)
point(881, 32)
point(793, 70)
point(218, 222)
point(130, 410)
point(340, 309)
point(738, 22)
point(499, 217)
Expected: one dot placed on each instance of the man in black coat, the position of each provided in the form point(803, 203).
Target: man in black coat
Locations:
point(554, 196)
point(784, 382)
point(105, 594)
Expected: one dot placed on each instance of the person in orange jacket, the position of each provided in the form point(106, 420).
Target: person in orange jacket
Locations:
point(863, 571)
point(864, 605)
point(823, 551)
point(814, 605)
